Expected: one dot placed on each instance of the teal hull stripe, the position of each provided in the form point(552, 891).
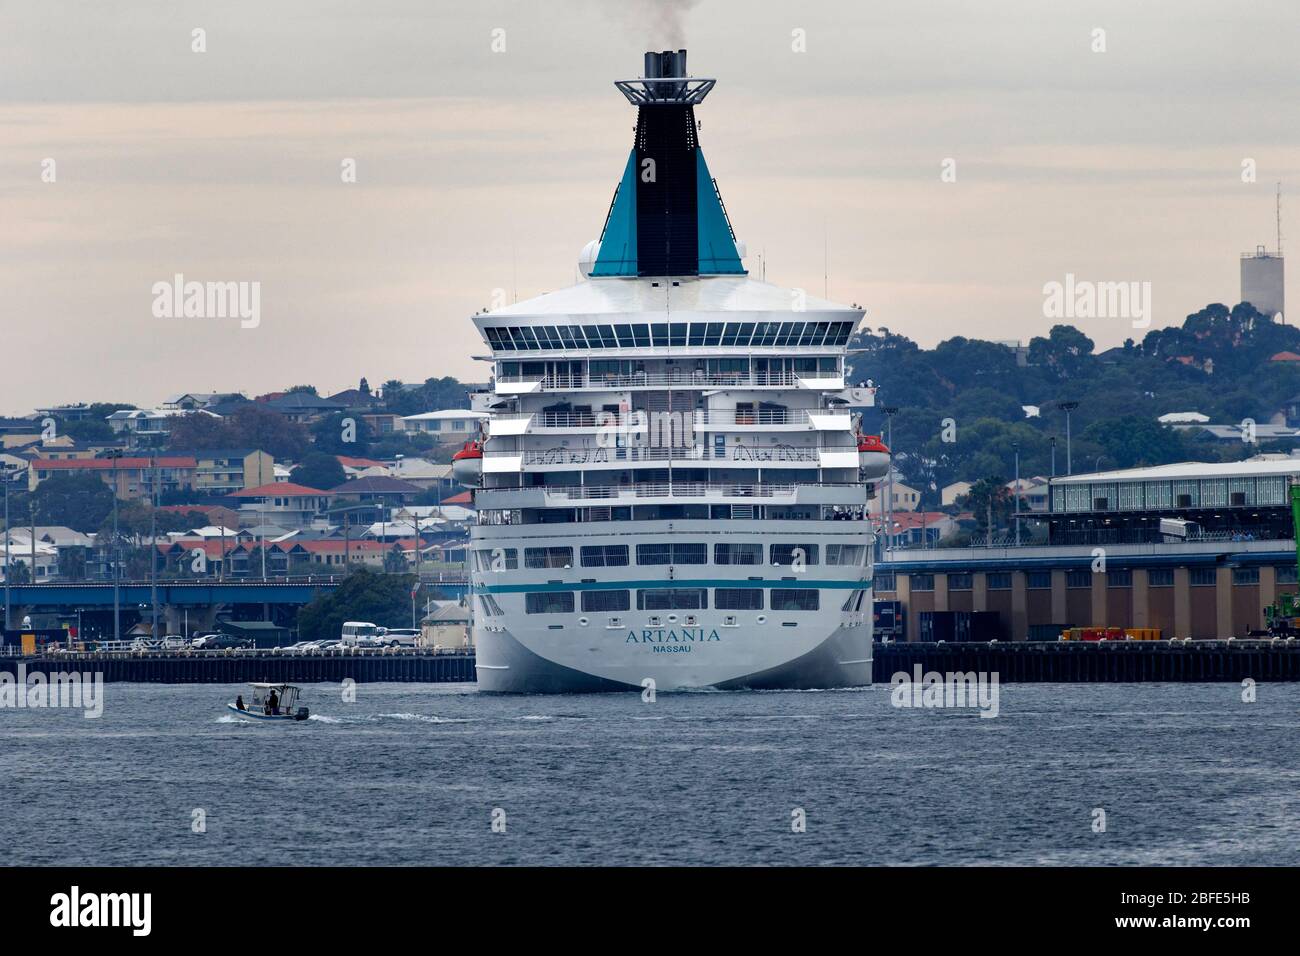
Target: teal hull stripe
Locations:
point(683, 583)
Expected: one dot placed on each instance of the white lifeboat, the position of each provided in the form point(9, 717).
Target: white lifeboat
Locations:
point(873, 457)
point(467, 464)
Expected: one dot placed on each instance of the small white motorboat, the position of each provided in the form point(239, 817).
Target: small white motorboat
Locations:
point(270, 702)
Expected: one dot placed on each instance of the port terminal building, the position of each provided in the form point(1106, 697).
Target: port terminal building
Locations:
point(1194, 549)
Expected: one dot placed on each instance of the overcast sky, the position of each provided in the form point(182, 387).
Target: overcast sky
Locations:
point(480, 170)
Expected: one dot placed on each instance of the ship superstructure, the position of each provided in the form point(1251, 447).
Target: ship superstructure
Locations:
point(670, 487)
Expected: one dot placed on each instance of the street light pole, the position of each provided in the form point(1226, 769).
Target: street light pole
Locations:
point(888, 510)
point(8, 563)
point(153, 543)
point(115, 454)
point(1016, 446)
point(1068, 407)
point(1053, 456)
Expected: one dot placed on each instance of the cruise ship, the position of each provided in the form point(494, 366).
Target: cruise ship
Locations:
point(671, 484)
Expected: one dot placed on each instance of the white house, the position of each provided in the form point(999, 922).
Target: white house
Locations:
point(448, 425)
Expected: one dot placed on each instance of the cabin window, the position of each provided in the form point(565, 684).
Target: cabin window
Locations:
point(604, 556)
point(672, 599)
point(672, 553)
point(790, 599)
point(548, 602)
point(846, 554)
point(788, 554)
point(548, 557)
point(738, 599)
point(738, 554)
point(605, 600)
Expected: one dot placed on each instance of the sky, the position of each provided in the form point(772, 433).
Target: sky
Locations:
point(487, 139)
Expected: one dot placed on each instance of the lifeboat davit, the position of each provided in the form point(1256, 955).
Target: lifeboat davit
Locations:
point(467, 464)
point(873, 457)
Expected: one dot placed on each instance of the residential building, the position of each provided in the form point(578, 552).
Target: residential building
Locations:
point(283, 503)
point(949, 494)
point(149, 427)
point(382, 423)
point(426, 474)
point(302, 407)
point(905, 497)
point(131, 478)
point(448, 425)
point(1033, 493)
point(225, 471)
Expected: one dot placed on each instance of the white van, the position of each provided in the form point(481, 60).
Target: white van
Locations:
point(359, 634)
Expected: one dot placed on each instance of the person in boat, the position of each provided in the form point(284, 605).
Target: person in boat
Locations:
point(273, 703)
point(239, 703)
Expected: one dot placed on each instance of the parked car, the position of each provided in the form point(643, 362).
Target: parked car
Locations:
point(398, 636)
point(220, 642)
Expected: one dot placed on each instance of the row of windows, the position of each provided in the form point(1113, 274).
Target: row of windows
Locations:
point(670, 552)
point(1115, 578)
point(1162, 495)
point(674, 599)
point(537, 338)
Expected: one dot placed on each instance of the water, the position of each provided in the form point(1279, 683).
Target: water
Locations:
point(410, 774)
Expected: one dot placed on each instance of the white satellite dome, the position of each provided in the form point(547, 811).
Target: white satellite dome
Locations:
point(587, 258)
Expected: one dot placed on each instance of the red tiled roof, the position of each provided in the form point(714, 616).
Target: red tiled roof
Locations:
point(106, 464)
point(904, 520)
point(212, 547)
point(464, 498)
point(338, 546)
point(347, 462)
point(279, 489)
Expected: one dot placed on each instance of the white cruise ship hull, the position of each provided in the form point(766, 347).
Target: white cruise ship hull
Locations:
point(672, 649)
point(544, 663)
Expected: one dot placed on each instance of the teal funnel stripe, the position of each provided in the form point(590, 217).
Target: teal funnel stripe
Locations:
point(617, 255)
point(718, 254)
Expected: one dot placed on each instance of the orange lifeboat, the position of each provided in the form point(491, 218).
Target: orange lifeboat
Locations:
point(873, 457)
point(467, 464)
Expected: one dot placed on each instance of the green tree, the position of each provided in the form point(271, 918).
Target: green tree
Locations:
point(1132, 441)
point(72, 563)
point(249, 426)
point(329, 433)
point(364, 595)
point(989, 498)
point(20, 573)
point(319, 470)
point(79, 502)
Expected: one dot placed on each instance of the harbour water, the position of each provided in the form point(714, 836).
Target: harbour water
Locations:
point(411, 774)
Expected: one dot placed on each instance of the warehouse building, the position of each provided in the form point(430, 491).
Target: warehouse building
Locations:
point(1110, 562)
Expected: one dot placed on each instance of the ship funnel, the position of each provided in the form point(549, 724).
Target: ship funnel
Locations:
point(667, 217)
point(665, 65)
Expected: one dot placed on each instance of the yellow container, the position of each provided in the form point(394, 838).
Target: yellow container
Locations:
point(29, 645)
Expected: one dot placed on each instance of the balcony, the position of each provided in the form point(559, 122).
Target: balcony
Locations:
point(678, 378)
point(496, 462)
point(762, 419)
